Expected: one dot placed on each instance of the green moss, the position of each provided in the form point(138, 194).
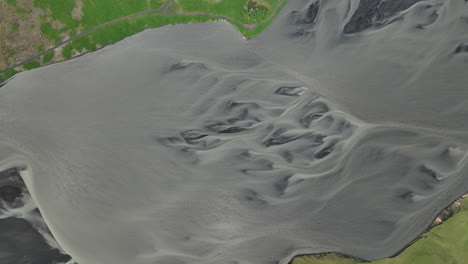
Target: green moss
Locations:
point(22, 11)
point(94, 16)
point(11, 53)
point(31, 65)
point(11, 2)
point(60, 10)
point(15, 27)
point(48, 57)
point(446, 243)
point(118, 31)
point(49, 32)
point(67, 51)
point(10, 73)
point(46, 29)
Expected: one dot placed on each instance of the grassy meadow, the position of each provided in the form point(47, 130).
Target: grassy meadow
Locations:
point(67, 18)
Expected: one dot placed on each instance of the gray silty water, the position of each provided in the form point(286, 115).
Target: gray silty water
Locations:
point(189, 144)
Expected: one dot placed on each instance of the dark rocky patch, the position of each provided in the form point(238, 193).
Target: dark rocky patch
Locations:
point(258, 165)
point(427, 171)
point(233, 129)
point(192, 136)
point(21, 243)
point(407, 196)
point(222, 128)
point(312, 12)
point(307, 120)
point(9, 193)
point(290, 90)
point(313, 111)
point(325, 151)
point(305, 16)
point(184, 65)
point(374, 12)
point(280, 140)
point(11, 185)
point(461, 48)
point(10, 173)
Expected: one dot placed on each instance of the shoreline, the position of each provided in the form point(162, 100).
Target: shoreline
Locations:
point(447, 213)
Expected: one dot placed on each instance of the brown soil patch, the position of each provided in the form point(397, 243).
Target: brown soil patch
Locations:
point(448, 212)
point(21, 35)
point(77, 12)
point(57, 24)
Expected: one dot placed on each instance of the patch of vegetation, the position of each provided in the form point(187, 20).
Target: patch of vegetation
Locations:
point(31, 65)
point(11, 53)
point(11, 2)
point(60, 10)
point(446, 243)
point(245, 11)
point(48, 31)
point(32, 26)
point(255, 11)
point(254, 16)
point(48, 57)
point(22, 11)
point(15, 27)
point(252, 33)
point(93, 15)
point(40, 48)
point(6, 75)
point(9, 73)
point(118, 31)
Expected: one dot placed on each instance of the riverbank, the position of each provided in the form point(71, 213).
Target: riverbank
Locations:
point(91, 29)
point(444, 241)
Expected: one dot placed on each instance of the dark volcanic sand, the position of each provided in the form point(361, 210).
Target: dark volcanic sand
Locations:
point(22, 229)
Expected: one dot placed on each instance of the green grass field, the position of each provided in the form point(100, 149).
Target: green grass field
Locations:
point(123, 29)
point(444, 244)
point(95, 13)
point(237, 9)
